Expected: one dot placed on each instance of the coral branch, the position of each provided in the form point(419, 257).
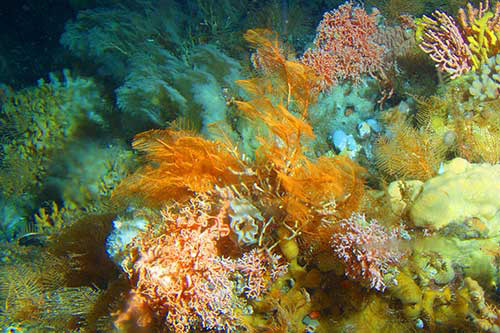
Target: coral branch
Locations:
point(367, 249)
point(442, 40)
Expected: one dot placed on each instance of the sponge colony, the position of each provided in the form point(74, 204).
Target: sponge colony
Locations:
point(463, 191)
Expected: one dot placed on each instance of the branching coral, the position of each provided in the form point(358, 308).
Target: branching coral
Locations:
point(367, 249)
point(458, 48)
point(481, 29)
point(182, 278)
point(178, 272)
point(344, 47)
point(309, 190)
point(443, 41)
point(175, 265)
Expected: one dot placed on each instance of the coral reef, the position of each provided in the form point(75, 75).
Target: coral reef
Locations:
point(344, 189)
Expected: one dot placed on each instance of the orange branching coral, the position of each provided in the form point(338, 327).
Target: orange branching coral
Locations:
point(293, 81)
point(320, 193)
point(283, 147)
point(307, 190)
point(328, 182)
point(179, 164)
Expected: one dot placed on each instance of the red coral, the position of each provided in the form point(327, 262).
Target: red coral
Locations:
point(344, 47)
point(367, 249)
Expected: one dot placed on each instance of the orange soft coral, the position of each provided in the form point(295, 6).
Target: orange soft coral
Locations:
point(178, 164)
point(307, 190)
point(292, 81)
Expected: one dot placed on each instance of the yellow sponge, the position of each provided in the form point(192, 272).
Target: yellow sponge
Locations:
point(461, 193)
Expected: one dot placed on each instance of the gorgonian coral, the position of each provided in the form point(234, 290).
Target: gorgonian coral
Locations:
point(345, 47)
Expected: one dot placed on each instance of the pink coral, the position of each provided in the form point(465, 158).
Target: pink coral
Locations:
point(178, 271)
point(344, 47)
point(179, 274)
point(442, 40)
point(368, 249)
point(260, 269)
